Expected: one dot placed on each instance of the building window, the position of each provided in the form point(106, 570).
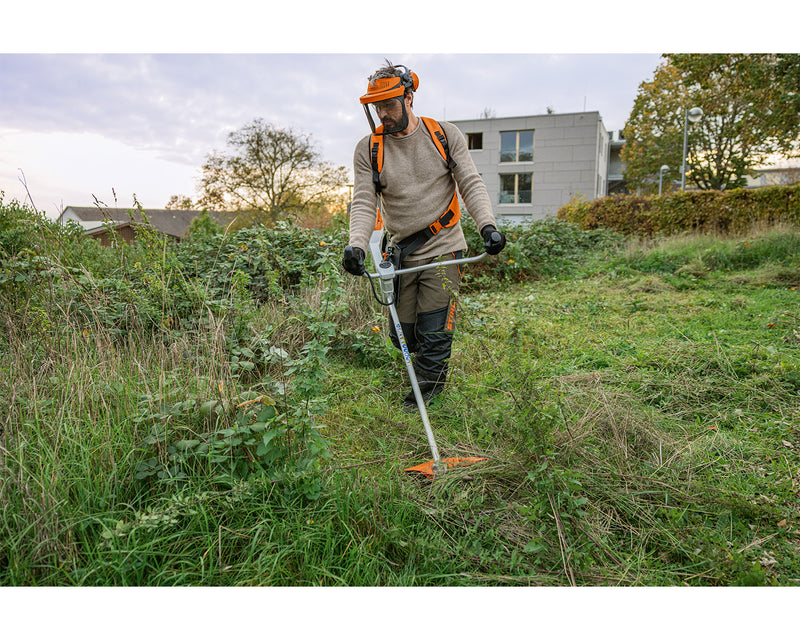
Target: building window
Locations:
point(516, 146)
point(475, 141)
point(516, 188)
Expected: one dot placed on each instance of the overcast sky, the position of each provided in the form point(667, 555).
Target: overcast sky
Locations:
point(78, 125)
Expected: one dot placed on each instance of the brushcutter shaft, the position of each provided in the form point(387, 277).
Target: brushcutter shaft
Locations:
point(415, 386)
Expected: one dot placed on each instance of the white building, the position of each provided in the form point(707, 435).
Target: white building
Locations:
point(778, 171)
point(534, 164)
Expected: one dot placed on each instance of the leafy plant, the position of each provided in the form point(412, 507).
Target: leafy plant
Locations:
point(543, 248)
point(733, 211)
point(636, 402)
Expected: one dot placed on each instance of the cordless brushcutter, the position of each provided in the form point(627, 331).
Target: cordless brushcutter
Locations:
point(386, 273)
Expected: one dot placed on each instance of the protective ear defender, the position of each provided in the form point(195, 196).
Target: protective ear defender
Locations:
point(409, 79)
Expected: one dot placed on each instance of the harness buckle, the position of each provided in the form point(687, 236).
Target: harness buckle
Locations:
point(442, 223)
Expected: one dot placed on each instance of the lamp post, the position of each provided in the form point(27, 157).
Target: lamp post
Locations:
point(661, 176)
point(692, 115)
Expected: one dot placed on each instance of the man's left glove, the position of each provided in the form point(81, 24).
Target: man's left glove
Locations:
point(353, 261)
point(493, 240)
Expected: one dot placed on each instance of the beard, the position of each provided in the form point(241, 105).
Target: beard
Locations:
point(395, 125)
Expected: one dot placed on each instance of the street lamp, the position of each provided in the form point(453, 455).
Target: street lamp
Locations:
point(661, 176)
point(692, 115)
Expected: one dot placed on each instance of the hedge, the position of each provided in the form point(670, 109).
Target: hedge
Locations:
point(706, 211)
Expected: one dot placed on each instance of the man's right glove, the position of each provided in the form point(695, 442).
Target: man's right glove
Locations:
point(493, 240)
point(353, 261)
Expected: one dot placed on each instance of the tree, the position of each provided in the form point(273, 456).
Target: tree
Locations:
point(750, 113)
point(787, 71)
point(203, 226)
point(179, 202)
point(268, 171)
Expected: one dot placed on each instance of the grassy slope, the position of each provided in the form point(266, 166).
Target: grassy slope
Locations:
point(641, 419)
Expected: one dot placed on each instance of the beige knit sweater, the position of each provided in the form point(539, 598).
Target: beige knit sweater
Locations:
point(417, 189)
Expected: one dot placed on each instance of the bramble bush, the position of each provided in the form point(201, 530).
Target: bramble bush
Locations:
point(55, 281)
point(63, 295)
point(538, 249)
point(730, 211)
point(154, 284)
point(275, 260)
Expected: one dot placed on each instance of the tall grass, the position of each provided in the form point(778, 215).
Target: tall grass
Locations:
point(770, 249)
point(639, 416)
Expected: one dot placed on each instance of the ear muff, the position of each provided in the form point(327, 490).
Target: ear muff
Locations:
point(409, 79)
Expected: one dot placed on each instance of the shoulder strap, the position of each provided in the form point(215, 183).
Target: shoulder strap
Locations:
point(376, 149)
point(439, 140)
point(376, 157)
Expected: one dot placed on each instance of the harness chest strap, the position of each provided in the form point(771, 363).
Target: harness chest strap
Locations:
point(450, 216)
point(448, 219)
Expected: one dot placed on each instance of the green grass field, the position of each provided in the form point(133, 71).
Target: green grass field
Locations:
point(639, 410)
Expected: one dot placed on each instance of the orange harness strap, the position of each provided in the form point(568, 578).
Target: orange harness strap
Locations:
point(451, 215)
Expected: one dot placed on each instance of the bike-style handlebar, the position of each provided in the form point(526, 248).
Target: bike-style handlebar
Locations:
point(447, 263)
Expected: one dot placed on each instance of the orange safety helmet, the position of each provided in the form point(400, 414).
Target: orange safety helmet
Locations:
point(392, 87)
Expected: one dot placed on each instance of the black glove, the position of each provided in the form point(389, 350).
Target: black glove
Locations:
point(353, 261)
point(493, 240)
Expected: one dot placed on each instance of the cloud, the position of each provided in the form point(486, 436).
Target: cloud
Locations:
point(181, 105)
point(173, 109)
point(81, 166)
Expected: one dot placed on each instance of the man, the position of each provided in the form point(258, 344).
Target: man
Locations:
point(422, 164)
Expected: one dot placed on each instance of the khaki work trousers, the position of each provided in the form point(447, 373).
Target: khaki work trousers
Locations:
point(426, 306)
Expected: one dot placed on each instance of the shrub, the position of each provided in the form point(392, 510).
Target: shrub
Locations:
point(706, 211)
point(154, 284)
point(540, 248)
